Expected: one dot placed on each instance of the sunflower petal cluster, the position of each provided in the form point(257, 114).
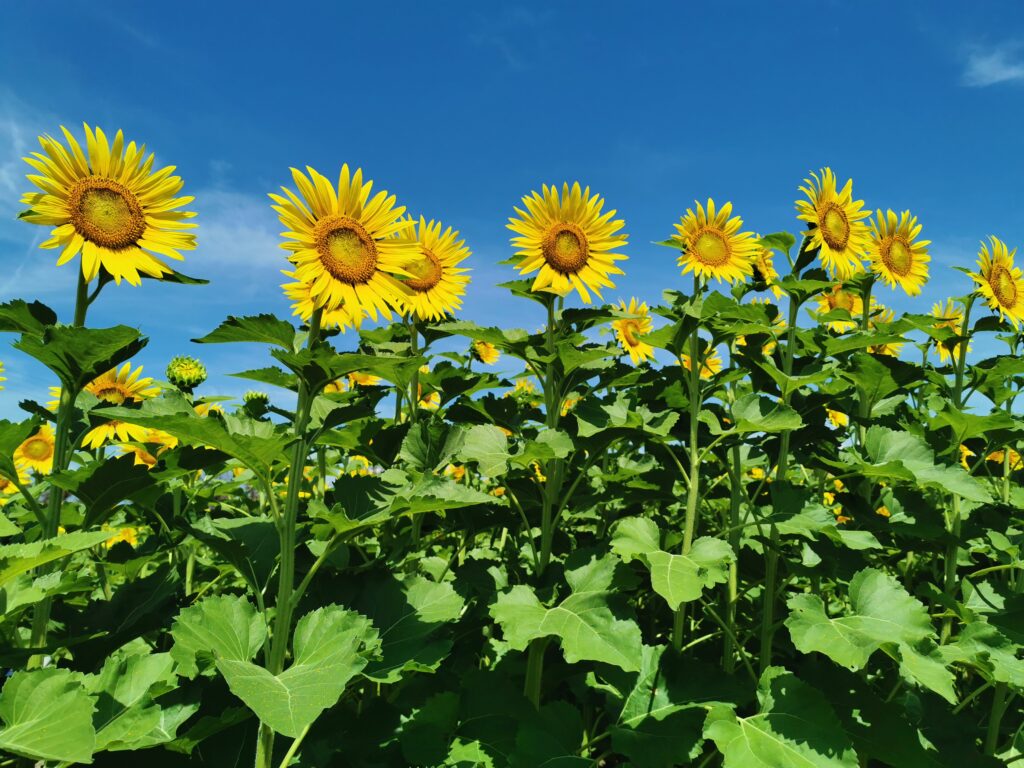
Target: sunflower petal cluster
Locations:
point(713, 246)
point(630, 330)
point(837, 223)
point(1000, 281)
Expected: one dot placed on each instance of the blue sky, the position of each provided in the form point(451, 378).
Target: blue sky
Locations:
point(461, 108)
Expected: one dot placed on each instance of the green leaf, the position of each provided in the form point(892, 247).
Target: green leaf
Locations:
point(985, 647)
point(584, 622)
point(271, 375)
point(677, 578)
point(410, 614)
point(432, 493)
point(47, 715)
point(486, 445)
point(19, 316)
point(16, 559)
point(263, 329)
point(795, 727)
point(550, 738)
point(78, 355)
point(103, 485)
point(757, 413)
point(220, 627)
point(330, 645)
point(13, 434)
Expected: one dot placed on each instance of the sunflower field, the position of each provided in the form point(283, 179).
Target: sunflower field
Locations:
point(767, 523)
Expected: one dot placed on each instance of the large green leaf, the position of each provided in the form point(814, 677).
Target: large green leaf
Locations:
point(263, 329)
point(584, 622)
point(78, 355)
point(677, 578)
point(795, 727)
point(486, 445)
point(16, 559)
point(19, 316)
point(331, 646)
point(47, 715)
point(757, 413)
point(103, 485)
point(221, 627)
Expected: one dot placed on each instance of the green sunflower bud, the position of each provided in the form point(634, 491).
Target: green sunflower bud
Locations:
point(186, 373)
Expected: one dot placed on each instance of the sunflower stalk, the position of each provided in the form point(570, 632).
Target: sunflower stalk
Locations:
point(61, 460)
point(287, 525)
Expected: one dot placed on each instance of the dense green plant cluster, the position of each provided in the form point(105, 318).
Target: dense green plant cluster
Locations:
point(808, 555)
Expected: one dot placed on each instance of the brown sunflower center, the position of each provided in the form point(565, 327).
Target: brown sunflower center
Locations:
point(106, 212)
point(426, 272)
point(565, 248)
point(346, 250)
point(835, 227)
point(1004, 288)
point(114, 395)
point(631, 332)
point(897, 255)
point(711, 248)
point(37, 449)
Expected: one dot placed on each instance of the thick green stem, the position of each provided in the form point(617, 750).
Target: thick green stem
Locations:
point(732, 586)
point(535, 670)
point(287, 525)
point(995, 718)
point(61, 460)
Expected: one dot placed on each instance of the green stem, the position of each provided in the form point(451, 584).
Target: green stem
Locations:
point(287, 524)
point(995, 718)
point(535, 670)
point(732, 586)
point(61, 460)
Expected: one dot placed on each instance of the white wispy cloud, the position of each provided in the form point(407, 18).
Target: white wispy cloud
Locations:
point(990, 65)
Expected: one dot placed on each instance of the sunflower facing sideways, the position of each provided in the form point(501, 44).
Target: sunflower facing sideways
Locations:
point(108, 204)
point(837, 223)
point(630, 330)
point(897, 256)
point(710, 364)
point(950, 316)
point(343, 244)
point(713, 246)
point(484, 352)
point(841, 298)
point(436, 281)
point(569, 240)
point(118, 387)
point(1000, 282)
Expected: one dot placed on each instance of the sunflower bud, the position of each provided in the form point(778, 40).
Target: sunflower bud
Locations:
point(256, 403)
point(186, 373)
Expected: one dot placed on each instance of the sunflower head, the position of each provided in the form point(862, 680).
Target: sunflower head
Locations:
point(883, 316)
point(764, 269)
point(185, 372)
point(345, 244)
point(897, 256)
point(36, 452)
point(129, 536)
point(303, 305)
point(360, 379)
point(120, 386)
point(108, 204)
point(841, 298)
point(435, 283)
point(630, 330)
point(568, 241)
point(710, 364)
point(712, 245)
point(836, 221)
point(950, 316)
point(484, 352)
point(999, 282)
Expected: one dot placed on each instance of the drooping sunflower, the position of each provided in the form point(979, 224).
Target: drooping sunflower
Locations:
point(437, 282)
point(119, 386)
point(304, 306)
point(897, 256)
point(999, 281)
point(764, 265)
point(36, 452)
point(569, 240)
point(837, 223)
point(841, 298)
point(630, 331)
point(713, 246)
point(949, 316)
point(484, 352)
point(108, 204)
point(343, 242)
point(711, 362)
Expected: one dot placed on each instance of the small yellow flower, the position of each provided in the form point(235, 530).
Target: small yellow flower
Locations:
point(508, 432)
point(837, 419)
point(129, 535)
point(484, 352)
point(710, 365)
point(570, 402)
point(758, 473)
point(2, 377)
point(965, 453)
point(498, 492)
point(539, 476)
point(883, 511)
point(840, 517)
point(456, 472)
point(358, 378)
point(1016, 462)
point(359, 466)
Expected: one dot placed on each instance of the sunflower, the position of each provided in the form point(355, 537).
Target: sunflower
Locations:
point(484, 352)
point(897, 256)
point(713, 246)
point(359, 466)
point(343, 242)
point(837, 419)
point(629, 331)
point(114, 432)
point(335, 387)
point(8, 487)
point(185, 372)
point(569, 402)
point(208, 409)
point(128, 535)
point(110, 206)
point(952, 317)
point(965, 454)
point(456, 472)
point(885, 316)
point(765, 267)
point(36, 452)
point(999, 281)
point(837, 226)
point(711, 362)
point(304, 306)
point(155, 443)
point(360, 379)
point(841, 298)
point(1015, 460)
point(569, 240)
point(119, 386)
point(525, 388)
point(436, 282)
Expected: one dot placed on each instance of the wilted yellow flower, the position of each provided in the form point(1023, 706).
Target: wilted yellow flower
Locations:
point(630, 331)
point(109, 204)
point(569, 240)
point(837, 223)
point(713, 246)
